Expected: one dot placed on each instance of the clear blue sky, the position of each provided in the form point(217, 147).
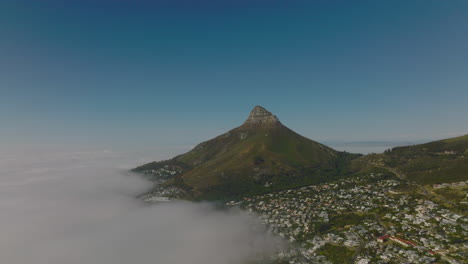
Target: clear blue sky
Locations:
point(173, 73)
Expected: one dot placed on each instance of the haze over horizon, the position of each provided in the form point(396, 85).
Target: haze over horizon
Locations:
point(167, 75)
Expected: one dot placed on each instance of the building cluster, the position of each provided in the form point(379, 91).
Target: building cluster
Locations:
point(163, 173)
point(159, 192)
point(454, 184)
point(368, 218)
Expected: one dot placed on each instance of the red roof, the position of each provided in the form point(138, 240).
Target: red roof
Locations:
point(405, 241)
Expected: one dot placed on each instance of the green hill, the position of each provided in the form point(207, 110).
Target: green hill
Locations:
point(259, 156)
point(434, 162)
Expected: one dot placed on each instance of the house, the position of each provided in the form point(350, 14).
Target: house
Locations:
point(398, 240)
point(402, 241)
point(382, 239)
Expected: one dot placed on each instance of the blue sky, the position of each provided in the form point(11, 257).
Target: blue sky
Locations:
point(153, 74)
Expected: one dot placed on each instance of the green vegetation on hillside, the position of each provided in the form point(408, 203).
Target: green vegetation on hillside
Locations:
point(337, 254)
point(430, 163)
point(260, 156)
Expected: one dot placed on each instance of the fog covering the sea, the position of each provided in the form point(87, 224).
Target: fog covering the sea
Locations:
point(79, 207)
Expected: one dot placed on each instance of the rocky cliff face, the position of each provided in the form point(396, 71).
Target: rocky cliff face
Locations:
point(260, 116)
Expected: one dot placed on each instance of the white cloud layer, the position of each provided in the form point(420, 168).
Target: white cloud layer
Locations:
point(77, 208)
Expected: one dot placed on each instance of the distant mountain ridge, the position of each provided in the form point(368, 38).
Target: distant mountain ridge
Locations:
point(260, 155)
point(429, 163)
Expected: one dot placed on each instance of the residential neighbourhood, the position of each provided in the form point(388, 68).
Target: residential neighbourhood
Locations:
point(361, 220)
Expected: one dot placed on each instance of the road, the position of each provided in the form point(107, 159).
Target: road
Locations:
point(358, 250)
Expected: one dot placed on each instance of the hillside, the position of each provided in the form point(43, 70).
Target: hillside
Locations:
point(260, 155)
point(434, 162)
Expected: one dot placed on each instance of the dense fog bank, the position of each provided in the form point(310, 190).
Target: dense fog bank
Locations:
point(79, 207)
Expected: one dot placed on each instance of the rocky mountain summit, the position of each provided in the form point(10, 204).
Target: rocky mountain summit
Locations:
point(261, 116)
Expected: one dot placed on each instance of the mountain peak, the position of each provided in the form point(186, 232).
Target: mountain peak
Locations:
point(246, 159)
point(261, 116)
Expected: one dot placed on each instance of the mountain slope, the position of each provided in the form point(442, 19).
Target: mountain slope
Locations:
point(260, 155)
point(434, 162)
